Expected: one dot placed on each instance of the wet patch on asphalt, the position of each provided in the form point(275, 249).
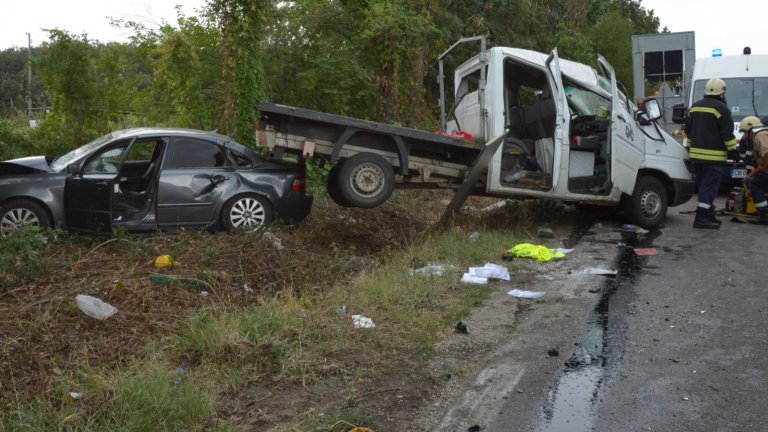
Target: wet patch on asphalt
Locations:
point(574, 395)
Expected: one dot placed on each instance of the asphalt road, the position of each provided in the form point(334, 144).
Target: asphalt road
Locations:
point(694, 341)
point(684, 347)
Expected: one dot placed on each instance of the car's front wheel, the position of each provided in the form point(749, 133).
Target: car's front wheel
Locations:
point(17, 214)
point(247, 212)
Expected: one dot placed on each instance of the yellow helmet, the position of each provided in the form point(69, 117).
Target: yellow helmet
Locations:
point(714, 87)
point(749, 122)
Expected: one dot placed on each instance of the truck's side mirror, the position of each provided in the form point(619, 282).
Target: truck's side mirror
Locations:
point(652, 109)
point(678, 113)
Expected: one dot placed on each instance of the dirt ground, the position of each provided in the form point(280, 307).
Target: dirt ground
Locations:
point(508, 346)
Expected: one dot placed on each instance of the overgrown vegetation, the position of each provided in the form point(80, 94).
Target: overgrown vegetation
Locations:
point(372, 60)
point(262, 342)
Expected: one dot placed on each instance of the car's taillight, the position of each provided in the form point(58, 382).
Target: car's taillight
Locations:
point(300, 181)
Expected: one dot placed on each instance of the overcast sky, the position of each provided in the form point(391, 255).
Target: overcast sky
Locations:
point(727, 25)
point(19, 17)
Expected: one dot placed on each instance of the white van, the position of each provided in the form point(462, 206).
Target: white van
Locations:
point(746, 82)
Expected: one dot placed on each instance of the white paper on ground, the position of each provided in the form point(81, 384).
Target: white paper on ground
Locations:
point(359, 321)
point(468, 278)
point(490, 271)
point(526, 294)
point(564, 250)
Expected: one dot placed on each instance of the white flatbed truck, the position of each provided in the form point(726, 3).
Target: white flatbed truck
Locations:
point(540, 127)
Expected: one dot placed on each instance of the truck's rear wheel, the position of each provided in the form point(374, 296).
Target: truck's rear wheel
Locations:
point(647, 206)
point(366, 180)
point(334, 188)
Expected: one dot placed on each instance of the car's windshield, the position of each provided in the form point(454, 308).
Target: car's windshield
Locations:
point(61, 163)
point(745, 96)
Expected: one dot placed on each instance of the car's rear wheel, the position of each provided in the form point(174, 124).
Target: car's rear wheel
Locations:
point(366, 180)
point(247, 212)
point(17, 214)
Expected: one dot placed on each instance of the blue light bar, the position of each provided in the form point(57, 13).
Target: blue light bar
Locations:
point(717, 52)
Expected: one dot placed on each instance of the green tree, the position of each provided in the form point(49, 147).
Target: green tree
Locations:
point(612, 38)
point(66, 69)
point(241, 23)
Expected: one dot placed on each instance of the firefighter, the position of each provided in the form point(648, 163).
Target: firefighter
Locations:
point(757, 134)
point(745, 143)
point(709, 128)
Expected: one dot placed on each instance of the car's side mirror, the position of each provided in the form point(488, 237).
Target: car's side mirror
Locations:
point(678, 113)
point(73, 168)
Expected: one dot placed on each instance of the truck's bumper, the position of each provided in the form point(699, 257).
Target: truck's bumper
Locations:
point(682, 191)
point(295, 207)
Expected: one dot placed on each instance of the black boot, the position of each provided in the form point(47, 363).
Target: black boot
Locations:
point(712, 216)
point(704, 220)
point(762, 217)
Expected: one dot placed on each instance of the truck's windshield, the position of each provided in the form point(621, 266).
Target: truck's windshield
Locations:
point(745, 96)
point(584, 102)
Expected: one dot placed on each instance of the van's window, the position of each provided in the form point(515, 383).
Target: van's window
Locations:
point(744, 96)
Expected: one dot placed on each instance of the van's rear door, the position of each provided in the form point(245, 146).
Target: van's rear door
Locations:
point(627, 144)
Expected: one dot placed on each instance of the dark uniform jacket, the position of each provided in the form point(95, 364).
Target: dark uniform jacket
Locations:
point(709, 128)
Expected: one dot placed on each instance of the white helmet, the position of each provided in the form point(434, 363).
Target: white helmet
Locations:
point(749, 122)
point(714, 87)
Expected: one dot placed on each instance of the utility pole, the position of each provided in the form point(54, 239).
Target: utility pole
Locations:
point(29, 78)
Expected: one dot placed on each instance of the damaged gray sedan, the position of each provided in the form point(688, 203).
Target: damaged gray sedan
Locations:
point(151, 179)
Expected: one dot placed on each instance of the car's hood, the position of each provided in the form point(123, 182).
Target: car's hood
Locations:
point(27, 165)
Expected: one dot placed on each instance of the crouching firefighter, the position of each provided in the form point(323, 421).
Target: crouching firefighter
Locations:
point(709, 128)
point(757, 133)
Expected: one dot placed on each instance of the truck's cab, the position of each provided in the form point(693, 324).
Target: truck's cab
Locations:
point(571, 134)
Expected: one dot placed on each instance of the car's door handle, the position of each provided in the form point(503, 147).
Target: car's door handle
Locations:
point(217, 178)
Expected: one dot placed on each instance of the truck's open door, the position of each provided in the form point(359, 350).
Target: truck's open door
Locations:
point(561, 107)
point(627, 145)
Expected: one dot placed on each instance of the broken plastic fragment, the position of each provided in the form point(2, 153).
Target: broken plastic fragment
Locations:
point(163, 261)
point(600, 271)
point(646, 251)
point(94, 307)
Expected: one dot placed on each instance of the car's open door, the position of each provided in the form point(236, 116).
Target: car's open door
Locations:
point(89, 189)
point(627, 145)
point(88, 202)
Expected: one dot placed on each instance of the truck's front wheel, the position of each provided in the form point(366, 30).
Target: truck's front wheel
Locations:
point(647, 206)
point(366, 180)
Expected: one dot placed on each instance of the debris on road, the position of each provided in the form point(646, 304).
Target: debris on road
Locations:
point(94, 307)
point(526, 294)
point(164, 261)
point(600, 271)
point(461, 327)
point(646, 251)
point(537, 252)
